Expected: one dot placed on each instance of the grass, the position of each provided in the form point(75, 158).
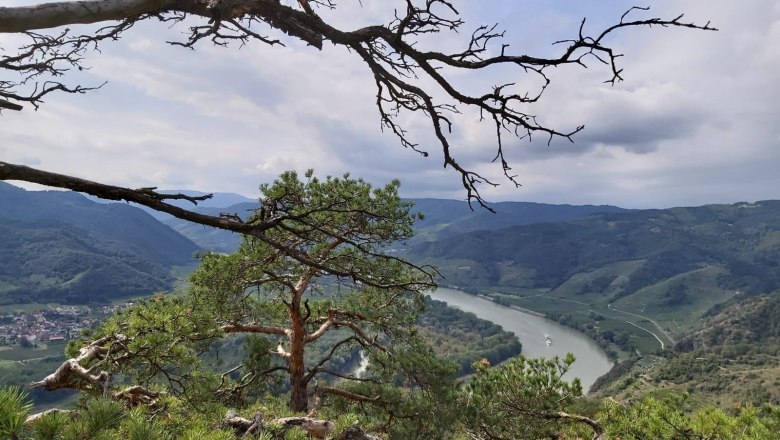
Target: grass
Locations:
point(545, 302)
point(678, 319)
point(18, 353)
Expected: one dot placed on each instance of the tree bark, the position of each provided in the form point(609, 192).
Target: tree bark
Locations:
point(49, 15)
point(294, 22)
point(299, 400)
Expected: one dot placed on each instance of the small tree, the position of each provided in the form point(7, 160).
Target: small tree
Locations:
point(523, 398)
point(321, 270)
point(341, 280)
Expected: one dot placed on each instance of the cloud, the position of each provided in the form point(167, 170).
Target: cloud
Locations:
point(694, 122)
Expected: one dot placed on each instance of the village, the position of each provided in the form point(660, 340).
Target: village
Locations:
point(57, 324)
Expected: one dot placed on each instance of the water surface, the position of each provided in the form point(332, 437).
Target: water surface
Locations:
point(591, 361)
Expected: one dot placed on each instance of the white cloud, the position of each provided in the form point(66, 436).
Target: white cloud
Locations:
point(694, 122)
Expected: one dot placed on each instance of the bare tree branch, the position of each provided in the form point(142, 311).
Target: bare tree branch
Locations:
point(32, 418)
point(316, 428)
point(255, 328)
point(598, 430)
point(390, 51)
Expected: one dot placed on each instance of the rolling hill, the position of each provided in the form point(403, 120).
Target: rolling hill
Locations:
point(60, 246)
point(659, 271)
point(446, 218)
point(731, 359)
point(443, 218)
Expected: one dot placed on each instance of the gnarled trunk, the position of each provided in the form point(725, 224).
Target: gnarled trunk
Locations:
point(299, 400)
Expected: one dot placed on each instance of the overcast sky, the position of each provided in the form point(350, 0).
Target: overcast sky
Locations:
point(696, 121)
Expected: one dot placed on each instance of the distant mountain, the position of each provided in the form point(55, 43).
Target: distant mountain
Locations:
point(741, 238)
point(442, 218)
point(445, 218)
point(61, 246)
point(659, 271)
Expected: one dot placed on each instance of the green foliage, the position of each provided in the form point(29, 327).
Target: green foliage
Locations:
point(664, 419)
point(138, 426)
point(49, 427)
point(14, 409)
point(516, 399)
point(99, 415)
point(416, 394)
point(321, 270)
point(165, 336)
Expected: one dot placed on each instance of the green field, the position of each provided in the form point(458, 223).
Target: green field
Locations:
point(17, 353)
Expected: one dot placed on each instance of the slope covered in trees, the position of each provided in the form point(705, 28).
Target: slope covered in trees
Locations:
point(731, 359)
point(445, 218)
point(645, 276)
point(442, 218)
point(59, 246)
point(741, 238)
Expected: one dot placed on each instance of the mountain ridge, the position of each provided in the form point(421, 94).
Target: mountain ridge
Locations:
point(61, 247)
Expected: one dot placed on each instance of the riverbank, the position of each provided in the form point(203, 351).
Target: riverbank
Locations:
point(491, 299)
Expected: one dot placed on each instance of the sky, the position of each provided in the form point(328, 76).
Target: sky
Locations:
point(696, 121)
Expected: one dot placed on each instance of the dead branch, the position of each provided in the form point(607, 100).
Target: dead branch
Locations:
point(255, 328)
point(244, 427)
point(355, 433)
point(72, 373)
point(598, 430)
point(37, 416)
point(137, 395)
point(390, 51)
point(326, 390)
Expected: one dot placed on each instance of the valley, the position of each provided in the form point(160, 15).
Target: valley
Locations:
point(634, 285)
point(591, 363)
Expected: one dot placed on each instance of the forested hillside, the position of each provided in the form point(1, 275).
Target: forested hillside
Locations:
point(635, 278)
point(734, 357)
point(442, 218)
point(60, 246)
point(743, 239)
point(446, 218)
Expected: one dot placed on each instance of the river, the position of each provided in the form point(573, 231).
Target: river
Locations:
point(591, 361)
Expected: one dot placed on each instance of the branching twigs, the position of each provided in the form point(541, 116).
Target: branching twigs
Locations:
point(326, 390)
point(390, 51)
point(74, 373)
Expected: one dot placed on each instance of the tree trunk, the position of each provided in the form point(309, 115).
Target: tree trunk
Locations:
point(299, 400)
